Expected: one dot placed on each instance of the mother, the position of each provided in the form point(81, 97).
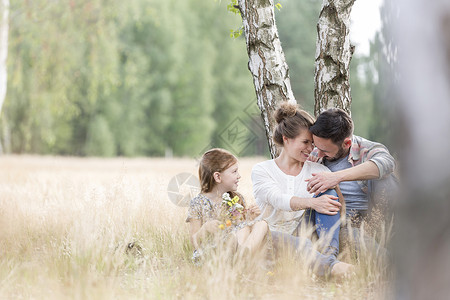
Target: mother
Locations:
point(279, 186)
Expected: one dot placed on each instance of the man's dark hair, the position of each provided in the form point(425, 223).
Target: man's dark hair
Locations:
point(334, 124)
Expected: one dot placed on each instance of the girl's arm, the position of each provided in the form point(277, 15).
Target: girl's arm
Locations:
point(252, 211)
point(199, 231)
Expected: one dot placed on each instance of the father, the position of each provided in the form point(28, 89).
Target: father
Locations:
point(363, 169)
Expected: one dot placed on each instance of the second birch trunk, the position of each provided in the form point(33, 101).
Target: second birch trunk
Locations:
point(333, 55)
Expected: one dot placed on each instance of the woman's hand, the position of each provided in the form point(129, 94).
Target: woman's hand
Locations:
point(326, 204)
point(253, 211)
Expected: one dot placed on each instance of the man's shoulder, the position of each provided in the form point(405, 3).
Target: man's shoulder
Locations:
point(363, 150)
point(360, 140)
point(365, 143)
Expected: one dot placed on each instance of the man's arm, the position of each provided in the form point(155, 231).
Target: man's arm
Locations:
point(267, 190)
point(320, 182)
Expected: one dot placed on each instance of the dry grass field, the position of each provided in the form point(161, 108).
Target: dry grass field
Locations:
point(65, 224)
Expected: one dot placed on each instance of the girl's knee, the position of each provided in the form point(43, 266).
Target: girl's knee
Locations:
point(262, 225)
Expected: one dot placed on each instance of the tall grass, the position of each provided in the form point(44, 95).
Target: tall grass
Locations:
point(67, 224)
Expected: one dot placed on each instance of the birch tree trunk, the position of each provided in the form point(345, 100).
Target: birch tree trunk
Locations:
point(4, 12)
point(333, 55)
point(267, 63)
point(422, 238)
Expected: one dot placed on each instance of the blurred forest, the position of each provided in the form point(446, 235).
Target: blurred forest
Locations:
point(156, 78)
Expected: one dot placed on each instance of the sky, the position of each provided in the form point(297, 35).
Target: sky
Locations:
point(365, 21)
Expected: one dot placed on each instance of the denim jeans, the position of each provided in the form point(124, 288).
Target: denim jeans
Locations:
point(320, 263)
point(327, 226)
point(363, 243)
point(316, 261)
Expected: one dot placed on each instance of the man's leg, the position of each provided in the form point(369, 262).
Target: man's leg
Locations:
point(327, 228)
point(382, 194)
point(319, 263)
point(359, 241)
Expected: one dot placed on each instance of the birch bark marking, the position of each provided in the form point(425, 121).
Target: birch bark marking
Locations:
point(4, 11)
point(267, 63)
point(333, 55)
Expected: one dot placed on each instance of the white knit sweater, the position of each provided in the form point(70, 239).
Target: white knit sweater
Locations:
point(273, 190)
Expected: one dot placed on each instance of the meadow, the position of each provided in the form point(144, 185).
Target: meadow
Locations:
point(66, 225)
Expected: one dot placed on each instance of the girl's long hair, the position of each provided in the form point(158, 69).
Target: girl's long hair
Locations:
point(214, 160)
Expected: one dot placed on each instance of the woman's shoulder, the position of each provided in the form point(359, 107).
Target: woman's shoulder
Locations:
point(264, 165)
point(315, 167)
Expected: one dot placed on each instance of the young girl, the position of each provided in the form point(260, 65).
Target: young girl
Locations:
point(219, 208)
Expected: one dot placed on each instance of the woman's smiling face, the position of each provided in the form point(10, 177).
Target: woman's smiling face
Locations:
point(299, 147)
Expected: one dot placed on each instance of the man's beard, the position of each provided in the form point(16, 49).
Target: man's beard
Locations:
point(339, 155)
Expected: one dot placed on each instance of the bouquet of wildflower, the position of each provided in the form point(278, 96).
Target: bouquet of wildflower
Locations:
point(233, 210)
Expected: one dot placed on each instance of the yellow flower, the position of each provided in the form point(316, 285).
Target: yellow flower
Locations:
point(221, 226)
point(228, 223)
point(270, 273)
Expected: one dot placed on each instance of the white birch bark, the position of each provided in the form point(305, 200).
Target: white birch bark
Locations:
point(422, 237)
point(333, 55)
point(267, 63)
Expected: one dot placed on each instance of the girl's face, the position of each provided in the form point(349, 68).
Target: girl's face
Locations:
point(299, 147)
point(229, 178)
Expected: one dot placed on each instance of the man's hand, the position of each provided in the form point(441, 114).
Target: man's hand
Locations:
point(321, 182)
point(326, 204)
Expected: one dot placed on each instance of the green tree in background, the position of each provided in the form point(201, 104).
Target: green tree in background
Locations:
point(373, 84)
point(297, 27)
point(362, 80)
point(106, 77)
point(146, 78)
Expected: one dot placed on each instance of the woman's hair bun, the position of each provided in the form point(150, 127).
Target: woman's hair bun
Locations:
point(284, 111)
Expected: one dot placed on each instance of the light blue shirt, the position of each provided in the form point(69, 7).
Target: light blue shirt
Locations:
point(355, 198)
